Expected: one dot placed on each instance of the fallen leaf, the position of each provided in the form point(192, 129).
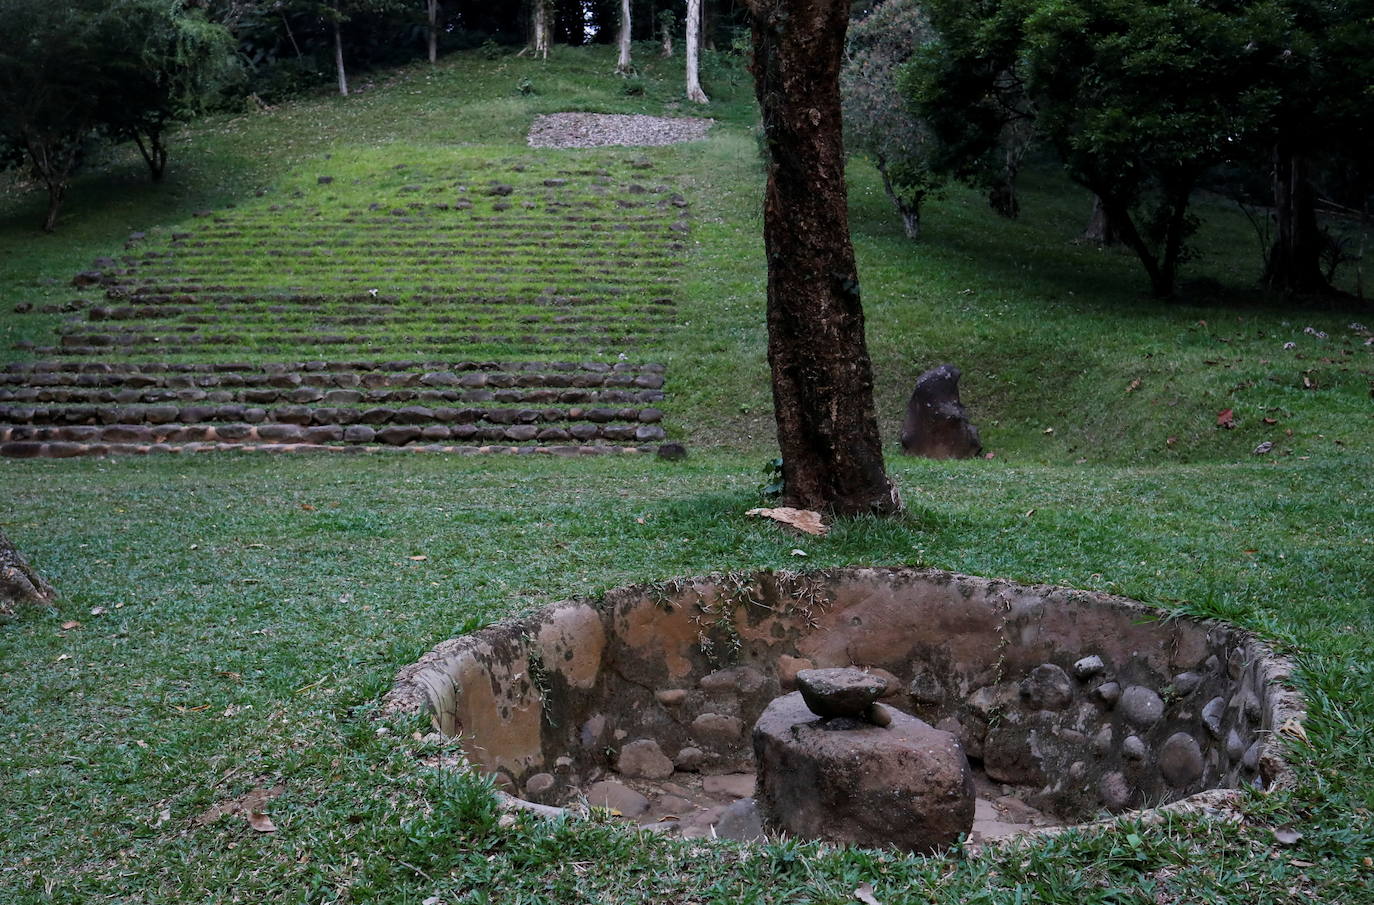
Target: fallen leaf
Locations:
point(307, 507)
point(261, 822)
point(98, 611)
point(989, 455)
point(1048, 430)
point(865, 894)
point(247, 804)
point(1294, 728)
point(1170, 441)
point(257, 546)
point(70, 624)
point(1270, 420)
point(1133, 386)
point(798, 552)
point(1263, 448)
point(1226, 418)
point(804, 520)
point(420, 558)
point(61, 657)
point(163, 816)
point(1287, 836)
point(1030, 512)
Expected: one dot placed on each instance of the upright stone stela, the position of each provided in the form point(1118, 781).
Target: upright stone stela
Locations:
point(834, 764)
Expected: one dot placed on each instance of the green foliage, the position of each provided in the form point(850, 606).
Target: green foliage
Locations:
point(877, 120)
point(49, 61)
point(774, 479)
point(165, 62)
point(1139, 99)
point(124, 69)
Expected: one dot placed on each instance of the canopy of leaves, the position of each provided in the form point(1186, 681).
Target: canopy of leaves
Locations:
point(877, 120)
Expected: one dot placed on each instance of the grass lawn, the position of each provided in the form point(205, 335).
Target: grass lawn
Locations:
point(233, 621)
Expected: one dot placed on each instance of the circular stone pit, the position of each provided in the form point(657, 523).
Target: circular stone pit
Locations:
point(1069, 705)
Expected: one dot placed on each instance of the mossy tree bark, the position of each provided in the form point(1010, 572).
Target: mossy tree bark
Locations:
point(19, 583)
point(822, 377)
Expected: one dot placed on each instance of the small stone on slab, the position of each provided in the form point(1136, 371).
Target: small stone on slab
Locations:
point(840, 692)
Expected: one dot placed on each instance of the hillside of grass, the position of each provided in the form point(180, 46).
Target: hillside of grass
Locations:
point(230, 622)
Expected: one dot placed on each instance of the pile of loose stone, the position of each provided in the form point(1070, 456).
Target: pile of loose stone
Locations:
point(596, 130)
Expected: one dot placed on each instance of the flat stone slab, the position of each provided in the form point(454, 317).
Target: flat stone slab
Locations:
point(840, 692)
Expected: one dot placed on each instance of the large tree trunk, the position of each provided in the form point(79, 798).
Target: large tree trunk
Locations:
point(1294, 264)
point(694, 92)
point(338, 60)
point(822, 379)
point(19, 583)
point(432, 7)
point(622, 63)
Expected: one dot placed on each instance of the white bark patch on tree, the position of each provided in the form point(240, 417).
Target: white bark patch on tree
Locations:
point(542, 28)
point(694, 92)
point(622, 63)
point(338, 60)
point(433, 8)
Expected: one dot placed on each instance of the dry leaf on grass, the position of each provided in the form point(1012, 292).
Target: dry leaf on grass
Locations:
point(261, 822)
point(248, 804)
point(865, 894)
point(804, 520)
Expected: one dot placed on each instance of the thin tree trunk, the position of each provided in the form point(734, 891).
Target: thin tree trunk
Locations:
point(1161, 284)
point(541, 27)
point(1100, 229)
point(19, 583)
point(694, 92)
point(338, 60)
point(666, 34)
point(1295, 260)
point(822, 378)
point(291, 35)
point(910, 212)
point(154, 153)
point(55, 166)
point(433, 8)
point(622, 63)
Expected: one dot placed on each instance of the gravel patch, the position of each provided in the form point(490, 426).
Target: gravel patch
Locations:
point(596, 130)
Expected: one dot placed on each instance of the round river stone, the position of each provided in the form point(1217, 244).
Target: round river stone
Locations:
point(840, 692)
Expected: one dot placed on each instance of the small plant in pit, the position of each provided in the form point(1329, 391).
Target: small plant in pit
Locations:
point(773, 482)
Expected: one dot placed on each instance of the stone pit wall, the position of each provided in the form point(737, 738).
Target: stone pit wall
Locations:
point(1086, 701)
